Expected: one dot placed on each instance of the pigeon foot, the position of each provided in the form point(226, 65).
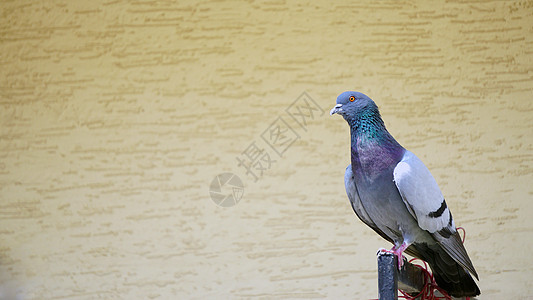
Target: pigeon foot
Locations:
point(399, 253)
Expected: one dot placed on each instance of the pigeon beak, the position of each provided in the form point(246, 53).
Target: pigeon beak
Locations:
point(336, 109)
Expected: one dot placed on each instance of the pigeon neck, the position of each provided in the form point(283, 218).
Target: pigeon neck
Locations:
point(373, 149)
point(369, 128)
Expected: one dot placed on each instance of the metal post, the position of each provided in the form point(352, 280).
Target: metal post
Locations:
point(409, 279)
point(387, 276)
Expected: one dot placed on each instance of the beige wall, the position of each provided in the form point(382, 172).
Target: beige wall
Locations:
point(115, 118)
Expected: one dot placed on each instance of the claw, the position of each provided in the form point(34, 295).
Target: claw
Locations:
point(383, 251)
point(399, 253)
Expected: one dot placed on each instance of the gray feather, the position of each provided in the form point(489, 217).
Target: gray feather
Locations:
point(425, 202)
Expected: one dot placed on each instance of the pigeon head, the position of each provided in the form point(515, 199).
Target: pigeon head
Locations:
point(354, 105)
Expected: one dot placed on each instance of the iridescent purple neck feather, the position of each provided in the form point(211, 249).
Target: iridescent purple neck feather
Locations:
point(373, 148)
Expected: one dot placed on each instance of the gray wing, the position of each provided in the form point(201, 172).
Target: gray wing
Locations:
point(353, 195)
point(425, 202)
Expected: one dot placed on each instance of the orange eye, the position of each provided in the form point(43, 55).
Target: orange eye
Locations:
point(352, 98)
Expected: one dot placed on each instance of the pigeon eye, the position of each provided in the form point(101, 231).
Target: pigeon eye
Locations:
point(352, 98)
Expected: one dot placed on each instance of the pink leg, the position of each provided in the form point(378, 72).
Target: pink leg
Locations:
point(399, 253)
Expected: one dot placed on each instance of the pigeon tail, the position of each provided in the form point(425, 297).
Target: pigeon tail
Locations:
point(449, 275)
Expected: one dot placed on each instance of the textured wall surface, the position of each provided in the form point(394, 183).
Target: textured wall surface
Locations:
point(115, 116)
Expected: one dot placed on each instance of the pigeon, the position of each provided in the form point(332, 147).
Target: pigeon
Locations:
point(393, 192)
